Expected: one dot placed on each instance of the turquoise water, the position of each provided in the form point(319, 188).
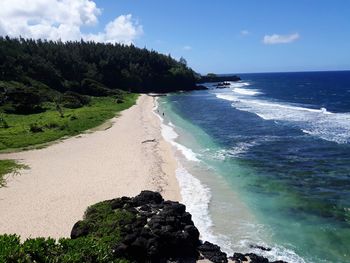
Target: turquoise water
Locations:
point(275, 172)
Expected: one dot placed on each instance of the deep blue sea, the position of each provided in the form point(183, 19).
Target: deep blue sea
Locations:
point(266, 161)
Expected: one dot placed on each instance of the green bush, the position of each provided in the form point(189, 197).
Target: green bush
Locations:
point(52, 125)
point(94, 88)
point(3, 123)
point(105, 230)
point(74, 100)
point(35, 127)
point(48, 250)
point(23, 101)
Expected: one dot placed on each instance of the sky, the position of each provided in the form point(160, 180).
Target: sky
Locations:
point(226, 36)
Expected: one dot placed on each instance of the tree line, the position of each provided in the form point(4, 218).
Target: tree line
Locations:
point(32, 68)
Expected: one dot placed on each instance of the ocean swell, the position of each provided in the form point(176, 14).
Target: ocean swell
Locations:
point(316, 122)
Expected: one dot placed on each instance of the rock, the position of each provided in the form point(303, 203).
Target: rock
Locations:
point(256, 259)
point(79, 229)
point(238, 258)
point(260, 247)
point(212, 252)
point(160, 230)
point(216, 78)
point(222, 85)
point(149, 229)
point(251, 258)
point(147, 198)
point(200, 87)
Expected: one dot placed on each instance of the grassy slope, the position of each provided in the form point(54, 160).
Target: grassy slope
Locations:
point(19, 135)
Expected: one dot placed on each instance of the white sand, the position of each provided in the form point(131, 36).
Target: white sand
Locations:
point(65, 178)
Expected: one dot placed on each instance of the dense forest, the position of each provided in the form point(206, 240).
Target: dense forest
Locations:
point(34, 71)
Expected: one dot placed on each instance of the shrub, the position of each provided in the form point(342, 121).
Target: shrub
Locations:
point(50, 251)
point(94, 88)
point(52, 125)
point(22, 99)
point(74, 100)
point(35, 127)
point(3, 123)
point(41, 249)
point(11, 249)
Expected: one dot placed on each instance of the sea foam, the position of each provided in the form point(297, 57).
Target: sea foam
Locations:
point(194, 194)
point(196, 197)
point(316, 122)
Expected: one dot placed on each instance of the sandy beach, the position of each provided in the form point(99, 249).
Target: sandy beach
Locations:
point(65, 178)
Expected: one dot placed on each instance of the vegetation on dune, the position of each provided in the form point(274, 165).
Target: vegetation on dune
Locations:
point(48, 250)
point(31, 129)
point(98, 246)
point(8, 167)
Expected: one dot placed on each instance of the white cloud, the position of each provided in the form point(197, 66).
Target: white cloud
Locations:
point(63, 19)
point(280, 39)
point(245, 33)
point(187, 48)
point(123, 29)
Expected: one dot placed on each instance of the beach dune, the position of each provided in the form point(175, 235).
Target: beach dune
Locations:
point(65, 178)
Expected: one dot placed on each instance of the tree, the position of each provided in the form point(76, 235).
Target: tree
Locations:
point(183, 61)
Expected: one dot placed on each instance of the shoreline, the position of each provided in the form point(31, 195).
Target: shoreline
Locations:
point(65, 178)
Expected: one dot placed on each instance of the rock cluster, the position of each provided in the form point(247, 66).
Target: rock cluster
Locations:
point(159, 231)
point(222, 85)
point(252, 258)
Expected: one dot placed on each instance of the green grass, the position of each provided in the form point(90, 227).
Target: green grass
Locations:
point(36, 129)
point(48, 250)
point(105, 233)
point(8, 167)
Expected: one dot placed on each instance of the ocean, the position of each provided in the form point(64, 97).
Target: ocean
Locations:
point(266, 161)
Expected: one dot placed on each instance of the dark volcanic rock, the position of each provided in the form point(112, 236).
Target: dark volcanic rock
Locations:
point(148, 229)
point(260, 247)
point(222, 85)
point(200, 87)
point(252, 258)
point(216, 78)
point(212, 252)
point(147, 198)
point(79, 229)
point(238, 258)
point(161, 230)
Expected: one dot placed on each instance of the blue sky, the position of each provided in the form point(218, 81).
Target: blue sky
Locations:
point(226, 36)
point(212, 31)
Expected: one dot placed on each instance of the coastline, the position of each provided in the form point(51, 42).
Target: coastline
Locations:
point(65, 178)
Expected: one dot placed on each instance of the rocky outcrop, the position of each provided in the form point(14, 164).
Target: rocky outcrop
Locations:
point(251, 258)
point(215, 78)
point(147, 228)
point(158, 231)
point(222, 85)
point(212, 252)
